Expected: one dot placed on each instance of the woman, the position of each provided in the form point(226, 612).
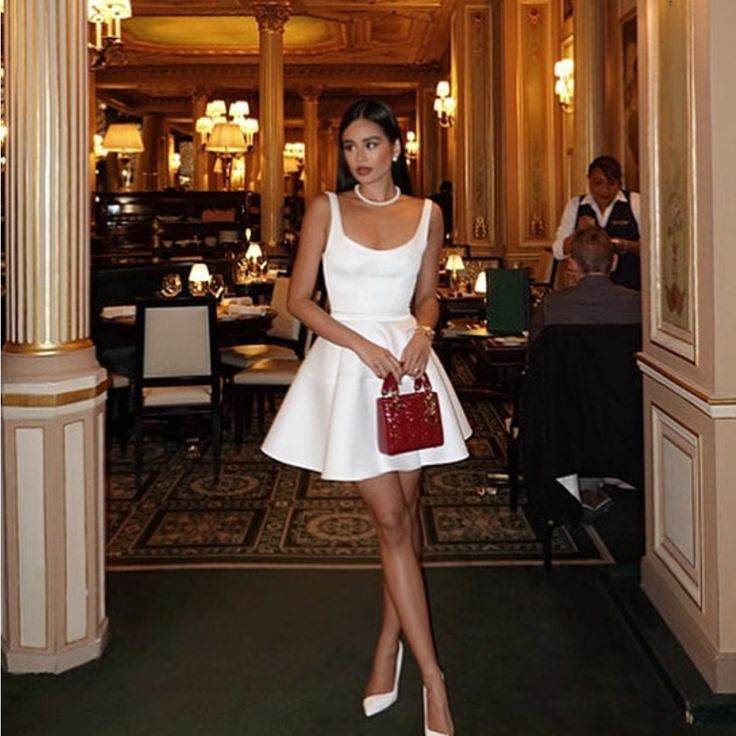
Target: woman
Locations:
point(379, 248)
point(607, 206)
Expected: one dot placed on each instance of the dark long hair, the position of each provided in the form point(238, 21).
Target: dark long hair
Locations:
point(378, 112)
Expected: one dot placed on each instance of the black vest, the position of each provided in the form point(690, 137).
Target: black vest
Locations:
point(621, 224)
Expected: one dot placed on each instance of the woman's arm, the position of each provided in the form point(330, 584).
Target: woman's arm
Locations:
point(415, 355)
point(312, 242)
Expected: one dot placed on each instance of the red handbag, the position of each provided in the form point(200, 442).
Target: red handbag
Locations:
point(408, 422)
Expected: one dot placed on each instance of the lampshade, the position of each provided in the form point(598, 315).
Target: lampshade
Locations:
point(481, 283)
point(454, 263)
point(123, 138)
point(204, 125)
point(226, 138)
point(199, 273)
point(216, 109)
point(119, 9)
point(239, 109)
point(443, 88)
point(253, 252)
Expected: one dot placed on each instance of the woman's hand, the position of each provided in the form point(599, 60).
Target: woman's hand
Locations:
point(380, 360)
point(415, 355)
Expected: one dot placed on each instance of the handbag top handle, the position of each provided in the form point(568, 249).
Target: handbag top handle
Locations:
point(391, 387)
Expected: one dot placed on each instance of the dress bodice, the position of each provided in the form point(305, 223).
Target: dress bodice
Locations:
point(364, 282)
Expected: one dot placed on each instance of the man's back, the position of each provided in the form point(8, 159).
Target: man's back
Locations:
point(594, 300)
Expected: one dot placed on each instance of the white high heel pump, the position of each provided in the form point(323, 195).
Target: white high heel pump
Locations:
point(374, 704)
point(428, 731)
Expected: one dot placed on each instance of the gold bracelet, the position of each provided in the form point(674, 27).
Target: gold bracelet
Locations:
point(425, 330)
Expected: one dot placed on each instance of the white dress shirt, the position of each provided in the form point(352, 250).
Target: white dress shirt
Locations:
point(567, 223)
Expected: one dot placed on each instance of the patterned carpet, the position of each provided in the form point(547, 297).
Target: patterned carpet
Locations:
point(262, 514)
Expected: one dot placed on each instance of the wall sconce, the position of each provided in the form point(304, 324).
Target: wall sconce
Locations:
point(411, 146)
point(174, 162)
point(217, 112)
point(199, 279)
point(226, 141)
point(107, 13)
point(565, 83)
point(444, 104)
point(124, 139)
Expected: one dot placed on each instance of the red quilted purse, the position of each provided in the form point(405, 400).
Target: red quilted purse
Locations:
point(408, 422)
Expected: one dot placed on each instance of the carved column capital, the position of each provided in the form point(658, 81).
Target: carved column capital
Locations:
point(310, 93)
point(271, 17)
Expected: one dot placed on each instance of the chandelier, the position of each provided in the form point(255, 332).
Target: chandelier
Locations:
point(293, 157)
point(217, 112)
point(107, 15)
point(444, 104)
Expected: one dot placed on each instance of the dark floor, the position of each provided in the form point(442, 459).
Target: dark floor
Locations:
point(286, 653)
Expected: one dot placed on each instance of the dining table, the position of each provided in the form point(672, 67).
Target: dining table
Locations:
point(115, 336)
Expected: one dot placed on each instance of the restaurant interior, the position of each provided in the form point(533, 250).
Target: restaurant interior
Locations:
point(160, 154)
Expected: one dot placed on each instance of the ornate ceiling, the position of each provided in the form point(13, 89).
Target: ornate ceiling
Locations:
point(172, 48)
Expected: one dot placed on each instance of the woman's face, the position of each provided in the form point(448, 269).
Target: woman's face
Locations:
point(602, 189)
point(368, 152)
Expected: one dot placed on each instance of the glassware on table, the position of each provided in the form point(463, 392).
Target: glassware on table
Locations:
point(217, 285)
point(171, 285)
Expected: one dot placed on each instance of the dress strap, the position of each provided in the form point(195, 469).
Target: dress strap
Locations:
point(423, 229)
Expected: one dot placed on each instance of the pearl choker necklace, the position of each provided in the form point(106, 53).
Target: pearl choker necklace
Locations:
point(373, 202)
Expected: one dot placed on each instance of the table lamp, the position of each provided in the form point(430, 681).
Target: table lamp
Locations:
point(254, 258)
point(454, 265)
point(199, 279)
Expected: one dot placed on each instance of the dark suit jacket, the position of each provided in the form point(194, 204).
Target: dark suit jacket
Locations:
point(594, 300)
point(580, 411)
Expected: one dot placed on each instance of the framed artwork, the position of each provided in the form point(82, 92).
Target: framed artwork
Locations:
point(630, 116)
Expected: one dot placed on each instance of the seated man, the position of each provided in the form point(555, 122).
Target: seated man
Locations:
point(595, 299)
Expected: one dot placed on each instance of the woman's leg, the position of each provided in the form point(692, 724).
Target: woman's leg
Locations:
point(403, 577)
point(384, 660)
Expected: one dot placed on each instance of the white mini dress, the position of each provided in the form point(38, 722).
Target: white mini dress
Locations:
point(328, 419)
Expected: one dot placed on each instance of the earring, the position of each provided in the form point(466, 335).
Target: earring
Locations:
point(395, 158)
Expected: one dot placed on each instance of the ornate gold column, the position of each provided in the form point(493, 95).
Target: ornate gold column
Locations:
point(200, 162)
point(472, 138)
point(431, 141)
point(589, 22)
point(328, 155)
point(53, 390)
point(152, 169)
point(271, 19)
point(311, 142)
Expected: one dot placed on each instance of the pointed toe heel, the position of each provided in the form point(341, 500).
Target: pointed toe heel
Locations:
point(374, 704)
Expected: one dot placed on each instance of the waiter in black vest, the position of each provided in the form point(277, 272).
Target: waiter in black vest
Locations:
point(609, 207)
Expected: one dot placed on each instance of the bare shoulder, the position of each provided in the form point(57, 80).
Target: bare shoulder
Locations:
point(320, 206)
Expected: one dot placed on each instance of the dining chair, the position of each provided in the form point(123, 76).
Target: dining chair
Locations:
point(262, 378)
point(282, 337)
point(578, 412)
point(177, 368)
point(259, 382)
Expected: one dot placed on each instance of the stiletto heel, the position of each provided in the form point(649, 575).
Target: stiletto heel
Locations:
point(428, 731)
point(374, 704)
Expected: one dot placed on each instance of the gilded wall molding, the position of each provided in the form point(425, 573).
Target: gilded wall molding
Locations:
point(673, 214)
point(535, 125)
